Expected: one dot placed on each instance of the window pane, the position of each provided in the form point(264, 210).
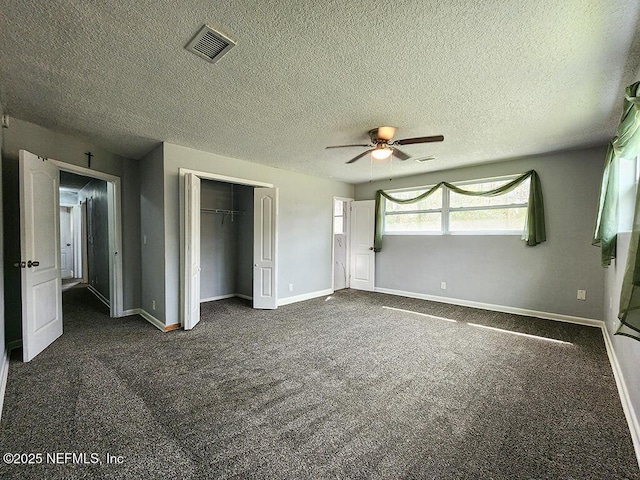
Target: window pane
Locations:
point(413, 222)
point(519, 195)
point(338, 207)
point(338, 225)
point(432, 202)
point(487, 220)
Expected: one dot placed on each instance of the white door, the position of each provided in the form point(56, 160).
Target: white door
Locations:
point(192, 253)
point(66, 243)
point(362, 255)
point(265, 248)
point(40, 248)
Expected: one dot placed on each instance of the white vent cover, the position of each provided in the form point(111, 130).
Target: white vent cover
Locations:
point(425, 159)
point(209, 44)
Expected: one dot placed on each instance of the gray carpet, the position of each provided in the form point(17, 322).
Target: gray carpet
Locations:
point(337, 388)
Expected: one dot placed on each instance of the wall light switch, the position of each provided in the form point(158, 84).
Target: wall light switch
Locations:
point(582, 294)
point(144, 239)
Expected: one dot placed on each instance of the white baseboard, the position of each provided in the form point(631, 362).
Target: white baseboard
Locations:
point(623, 392)
point(4, 375)
point(219, 297)
point(246, 297)
point(128, 313)
point(304, 296)
point(100, 297)
point(590, 322)
point(151, 319)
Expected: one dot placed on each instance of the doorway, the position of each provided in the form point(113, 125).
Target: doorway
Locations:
point(260, 249)
point(341, 247)
point(41, 252)
point(84, 234)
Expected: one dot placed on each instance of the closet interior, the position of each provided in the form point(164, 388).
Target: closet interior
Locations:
point(226, 241)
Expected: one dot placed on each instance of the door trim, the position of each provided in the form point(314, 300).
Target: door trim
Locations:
point(115, 231)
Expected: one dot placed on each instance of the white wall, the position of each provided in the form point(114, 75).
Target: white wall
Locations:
point(502, 270)
point(305, 216)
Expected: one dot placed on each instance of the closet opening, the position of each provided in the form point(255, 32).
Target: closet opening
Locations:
point(226, 241)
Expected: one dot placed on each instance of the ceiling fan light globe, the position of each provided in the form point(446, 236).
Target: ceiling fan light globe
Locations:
point(381, 153)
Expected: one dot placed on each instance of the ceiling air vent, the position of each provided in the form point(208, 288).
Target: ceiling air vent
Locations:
point(209, 44)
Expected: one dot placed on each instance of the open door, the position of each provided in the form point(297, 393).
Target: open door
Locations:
point(362, 256)
point(40, 249)
point(265, 248)
point(192, 253)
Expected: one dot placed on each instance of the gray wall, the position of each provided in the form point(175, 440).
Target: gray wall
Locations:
point(3, 342)
point(502, 270)
point(95, 193)
point(627, 350)
point(70, 149)
point(152, 231)
point(218, 242)
point(304, 222)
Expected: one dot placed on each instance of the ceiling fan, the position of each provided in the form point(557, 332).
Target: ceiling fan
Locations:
point(382, 146)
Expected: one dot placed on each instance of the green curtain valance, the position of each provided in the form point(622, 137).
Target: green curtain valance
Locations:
point(534, 230)
point(626, 144)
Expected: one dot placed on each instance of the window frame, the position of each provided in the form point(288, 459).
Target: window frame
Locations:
point(446, 210)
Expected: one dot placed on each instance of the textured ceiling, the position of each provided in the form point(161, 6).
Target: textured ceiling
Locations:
point(497, 79)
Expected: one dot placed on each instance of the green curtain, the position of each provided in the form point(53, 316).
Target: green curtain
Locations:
point(534, 231)
point(626, 144)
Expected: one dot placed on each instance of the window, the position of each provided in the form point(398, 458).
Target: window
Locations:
point(338, 217)
point(447, 212)
point(424, 216)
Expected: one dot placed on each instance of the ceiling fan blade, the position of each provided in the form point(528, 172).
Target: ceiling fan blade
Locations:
point(355, 159)
point(400, 154)
point(410, 141)
point(356, 145)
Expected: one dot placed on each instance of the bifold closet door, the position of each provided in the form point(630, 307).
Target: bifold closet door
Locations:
point(192, 250)
point(265, 248)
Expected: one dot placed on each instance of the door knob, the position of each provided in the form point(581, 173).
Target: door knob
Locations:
point(32, 264)
point(19, 264)
point(370, 248)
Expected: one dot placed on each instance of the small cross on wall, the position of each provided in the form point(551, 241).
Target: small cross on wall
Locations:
point(89, 155)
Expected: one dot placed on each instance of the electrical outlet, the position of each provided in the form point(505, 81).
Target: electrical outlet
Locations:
point(582, 294)
point(443, 285)
point(153, 304)
point(291, 287)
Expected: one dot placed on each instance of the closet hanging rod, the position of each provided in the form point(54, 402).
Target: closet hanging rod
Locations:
point(218, 210)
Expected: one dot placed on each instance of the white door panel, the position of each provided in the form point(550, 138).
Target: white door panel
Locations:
point(265, 285)
point(40, 250)
point(192, 245)
point(362, 255)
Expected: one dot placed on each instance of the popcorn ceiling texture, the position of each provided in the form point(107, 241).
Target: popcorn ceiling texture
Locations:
point(497, 79)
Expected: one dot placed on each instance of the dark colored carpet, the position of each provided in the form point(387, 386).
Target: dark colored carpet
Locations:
point(337, 388)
